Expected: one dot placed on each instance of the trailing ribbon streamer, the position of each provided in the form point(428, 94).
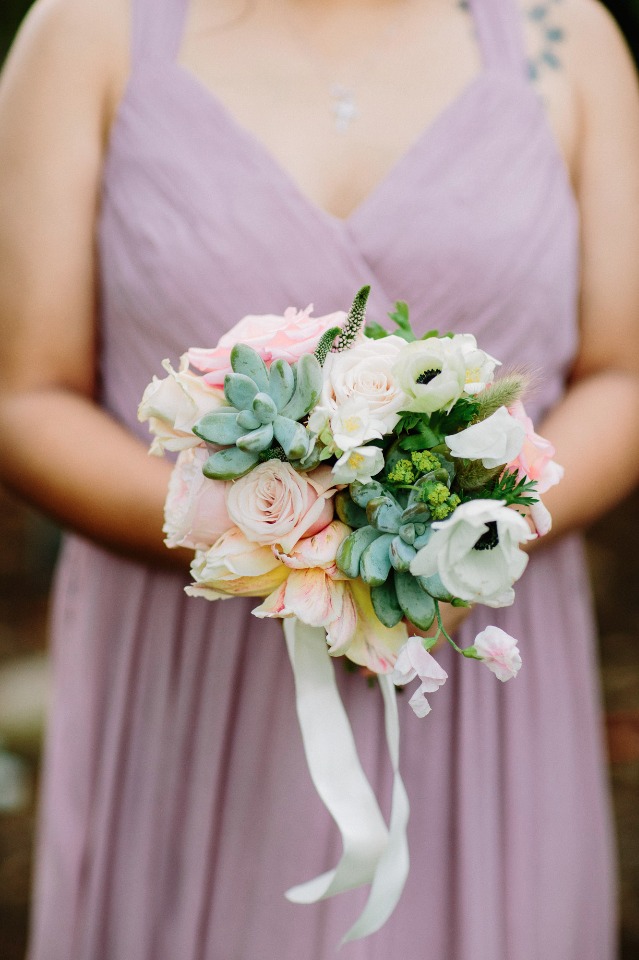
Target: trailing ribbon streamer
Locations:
point(371, 852)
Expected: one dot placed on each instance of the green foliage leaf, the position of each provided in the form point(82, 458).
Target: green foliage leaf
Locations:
point(400, 316)
point(515, 490)
point(375, 331)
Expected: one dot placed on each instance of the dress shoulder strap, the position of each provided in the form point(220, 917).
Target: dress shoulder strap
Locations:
point(500, 34)
point(156, 28)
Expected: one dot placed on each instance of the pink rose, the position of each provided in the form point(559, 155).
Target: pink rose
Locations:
point(273, 504)
point(536, 457)
point(273, 337)
point(195, 514)
point(498, 650)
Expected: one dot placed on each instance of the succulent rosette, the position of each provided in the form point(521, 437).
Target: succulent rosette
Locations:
point(354, 478)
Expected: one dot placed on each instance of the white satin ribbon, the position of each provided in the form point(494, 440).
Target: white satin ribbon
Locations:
point(372, 853)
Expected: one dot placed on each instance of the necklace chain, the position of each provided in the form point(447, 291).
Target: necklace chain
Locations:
point(343, 102)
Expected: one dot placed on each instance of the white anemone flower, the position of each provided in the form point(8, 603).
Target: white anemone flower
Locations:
point(476, 552)
point(436, 372)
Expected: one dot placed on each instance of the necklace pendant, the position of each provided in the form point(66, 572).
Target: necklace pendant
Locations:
point(344, 108)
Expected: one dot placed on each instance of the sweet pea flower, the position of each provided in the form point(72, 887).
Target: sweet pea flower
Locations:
point(195, 513)
point(414, 661)
point(235, 566)
point(480, 366)
point(476, 552)
point(274, 504)
point(495, 441)
point(174, 405)
point(498, 650)
point(284, 337)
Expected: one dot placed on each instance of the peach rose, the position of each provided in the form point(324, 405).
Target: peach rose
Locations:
point(195, 514)
point(234, 566)
point(273, 337)
point(273, 504)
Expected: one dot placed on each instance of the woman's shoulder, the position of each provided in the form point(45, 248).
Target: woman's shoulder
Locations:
point(80, 42)
point(581, 36)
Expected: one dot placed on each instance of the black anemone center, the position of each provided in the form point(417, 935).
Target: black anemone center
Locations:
point(489, 539)
point(427, 376)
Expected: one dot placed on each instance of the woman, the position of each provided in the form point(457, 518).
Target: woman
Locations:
point(232, 158)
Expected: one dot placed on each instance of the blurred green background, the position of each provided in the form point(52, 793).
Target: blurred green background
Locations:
point(27, 549)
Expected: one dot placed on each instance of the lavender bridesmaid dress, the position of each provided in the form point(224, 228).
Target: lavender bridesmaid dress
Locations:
point(176, 805)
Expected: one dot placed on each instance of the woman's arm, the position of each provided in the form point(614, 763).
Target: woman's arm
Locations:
point(57, 448)
point(596, 427)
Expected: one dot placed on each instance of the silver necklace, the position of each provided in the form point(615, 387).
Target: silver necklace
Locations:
point(343, 100)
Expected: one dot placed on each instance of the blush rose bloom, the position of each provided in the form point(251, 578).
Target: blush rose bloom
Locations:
point(235, 567)
point(273, 337)
point(274, 504)
point(195, 513)
point(495, 441)
point(535, 461)
point(498, 650)
point(414, 661)
point(471, 567)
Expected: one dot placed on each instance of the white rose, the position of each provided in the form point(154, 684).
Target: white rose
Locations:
point(476, 552)
point(495, 441)
point(498, 650)
point(273, 504)
point(174, 405)
point(365, 374)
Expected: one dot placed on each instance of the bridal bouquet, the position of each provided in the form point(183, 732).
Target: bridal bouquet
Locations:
point(354, 479)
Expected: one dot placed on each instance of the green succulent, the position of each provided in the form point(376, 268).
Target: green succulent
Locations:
point(388, 532)
point(262, 419)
